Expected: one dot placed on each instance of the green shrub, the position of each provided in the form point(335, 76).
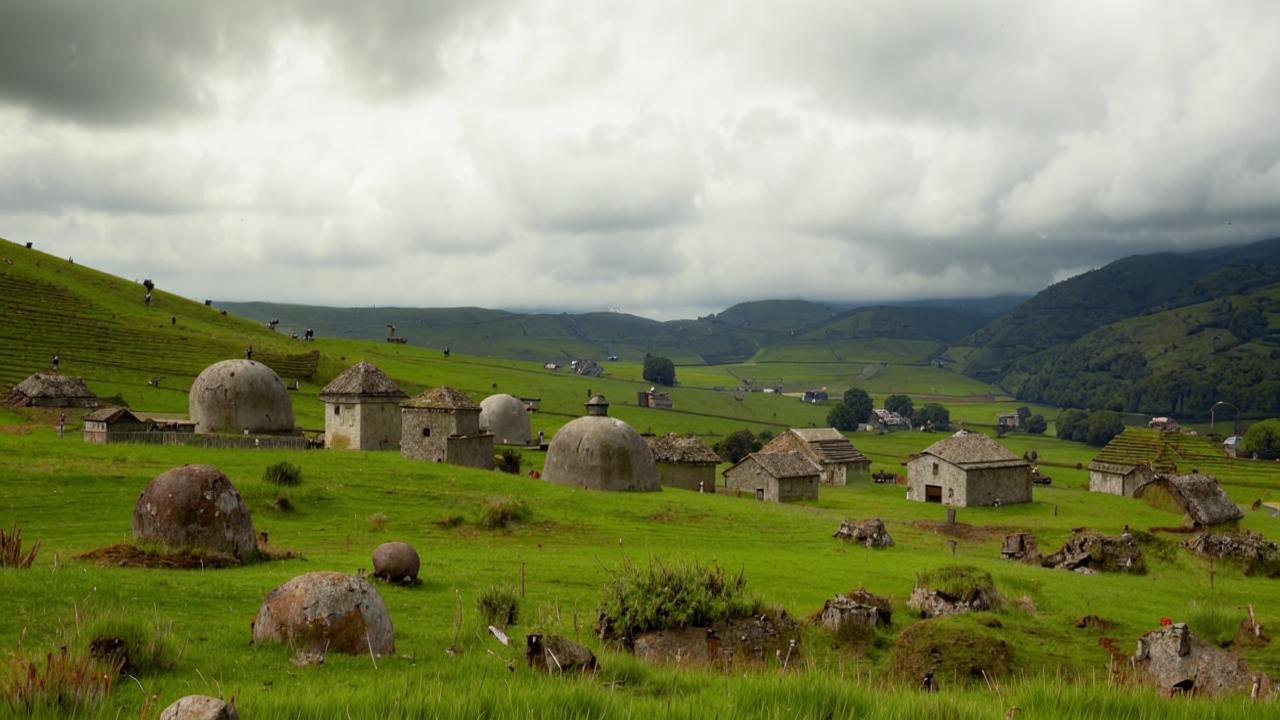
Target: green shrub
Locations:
point(142, 647)
point(498, 606)
point(659, 596)
point(504, 512)
point(508, 461)
point(377, 522)
point(283, 473)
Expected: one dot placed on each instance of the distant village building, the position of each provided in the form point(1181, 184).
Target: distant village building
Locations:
point(1130, 461)
point(1166, 424)
point(550, 366)
point(1231, 446)
point(586, 368)
point(968, 469)
point(1198, 497)
point(1008, 421)
point(887, 421)
point(598, 452)
point(775, 477)
point(52, 390)
point(531, 403)
point(684, 461)
point(507, 418)
point(814, 396)
point(653, 398)
point(101, 423)
point(362, 410)
point(238, 396)
point(837, 458)
point(443, 425)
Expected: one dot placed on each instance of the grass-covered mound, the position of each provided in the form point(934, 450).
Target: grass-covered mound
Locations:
point(962, 583)
point(661, 596)
point(956, 650)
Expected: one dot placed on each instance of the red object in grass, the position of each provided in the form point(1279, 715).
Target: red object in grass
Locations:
point(1165, 621)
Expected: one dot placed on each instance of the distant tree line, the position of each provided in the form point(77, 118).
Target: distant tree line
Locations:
point(659, 370)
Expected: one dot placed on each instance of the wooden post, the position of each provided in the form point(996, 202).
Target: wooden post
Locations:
point(1253, 619)
point(522, 579)
point(1210, 573)
point(951, 515)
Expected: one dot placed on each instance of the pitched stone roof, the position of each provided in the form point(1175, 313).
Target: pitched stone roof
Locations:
point(112, 414)
point(1200, 497)
point(973, 451)
point(783, 465)
point(49, 385)
point(443, 398)
point(830, 446)
point(363, 379)
point(673, 448)
point(1134, 447)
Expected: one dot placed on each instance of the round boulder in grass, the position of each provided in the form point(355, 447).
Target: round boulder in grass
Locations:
point(199, 707)
point(396, 562)
point(195, 507)
point(326, 611)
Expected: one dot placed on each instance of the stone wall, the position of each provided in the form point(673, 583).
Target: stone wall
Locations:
point(688, 475)
point(1117, 484)
point(240, 442)
point(966, 488)
point(424, 434)
point(749, 476)
point(365, 425)
point(470, 451)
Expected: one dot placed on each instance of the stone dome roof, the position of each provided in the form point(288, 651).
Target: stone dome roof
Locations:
point(601, 453)
point(239, 395)
point(505, 416)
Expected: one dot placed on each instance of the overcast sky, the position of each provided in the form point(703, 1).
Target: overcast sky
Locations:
point(666, 158)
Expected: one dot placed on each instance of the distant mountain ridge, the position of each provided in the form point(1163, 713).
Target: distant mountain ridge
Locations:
point(736, 334)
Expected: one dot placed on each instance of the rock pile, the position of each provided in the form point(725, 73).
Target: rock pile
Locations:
point(396, 562)
point(1089, 552)
point(953, 591)
point(855, 616)
point(751, 640)
point(1259, 555)
point(326, 611)
point(195, 507)
point(555, 654)
point(871, 533)
point(199, 707)
point(1021, 547)
point(1178, 662)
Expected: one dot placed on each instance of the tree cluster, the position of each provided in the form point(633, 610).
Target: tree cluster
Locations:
point(853, 410)
point(659, 370)
point(1262, 439)
point(1095, 428)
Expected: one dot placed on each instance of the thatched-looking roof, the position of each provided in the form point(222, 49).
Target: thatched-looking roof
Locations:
point(783, 465)
point(1134, 447)
point(1200, 497)
point(443, 398)
point(363, 379)
point(673, 448)
point(973, 451)
point(112, 414)
point(55, 389)
point(831, 446)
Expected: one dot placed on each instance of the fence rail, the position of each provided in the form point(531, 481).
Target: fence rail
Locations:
point(240, 442)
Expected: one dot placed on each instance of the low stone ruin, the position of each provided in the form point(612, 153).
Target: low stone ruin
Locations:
point(199, 707)
point(870, 533)
point(1089, 552)
point(751, 640)
point(555, 654)
point(195, 507)
point(855, 616)
point(1021, 547)
point(953, 591)
point(1259, 555)
point(321, 612)
point(1178, 662)
point(396, 562)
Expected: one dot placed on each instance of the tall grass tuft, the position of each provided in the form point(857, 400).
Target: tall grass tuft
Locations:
point(503, 512)
point(283, 474)
point(508, 461)
point(377, 522)
point(58, 681)
point(498, 605)
point(659, 596)
point(11, 554)
point(1212, 622)
point(141, 648)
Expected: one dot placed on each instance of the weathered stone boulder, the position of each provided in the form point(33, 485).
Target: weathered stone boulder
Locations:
point(1178, 662)
point(199, 707)
point(751, 640)
point(953, 591)
point(396, 562)
point(1259, 555)
point(1020, 547)
point(555, 654)
point(854, 617)
point(195, 507)
point(1089, 552)
point(871, 533)
point(326, 612)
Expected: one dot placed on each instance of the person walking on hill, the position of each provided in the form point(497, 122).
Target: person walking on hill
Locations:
point(248, 352)
point(56, 362)
point(62, 423)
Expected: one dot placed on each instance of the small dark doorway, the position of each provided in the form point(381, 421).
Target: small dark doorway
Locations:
point(933, 493)
point(760, 494)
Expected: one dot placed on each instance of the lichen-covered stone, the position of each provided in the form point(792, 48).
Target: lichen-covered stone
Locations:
point(199, 707)
point(1020, 547)
point(1088, 552)
point(555, 654)
point(195, 507)
point(396, 562)
point(855, 616)
point(326, 612)
point(1178, 662)
point(871, 533)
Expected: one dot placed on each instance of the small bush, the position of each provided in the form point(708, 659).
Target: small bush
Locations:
point(450, 521)
point(504, 512)
point(667, 597)
point(377, 522)
point(283, 473)
point(138, 648)
point(282, 503)
point(11, 554)
point(508, 461)
point(498, 606)
point(1213, 623)
point(58, 681)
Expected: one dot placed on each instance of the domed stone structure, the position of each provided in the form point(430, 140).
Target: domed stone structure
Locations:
point(195, 507)
point(601, 453)
point(239, 395)
point(323, 611)
point(507, 418)
point(396, 562)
